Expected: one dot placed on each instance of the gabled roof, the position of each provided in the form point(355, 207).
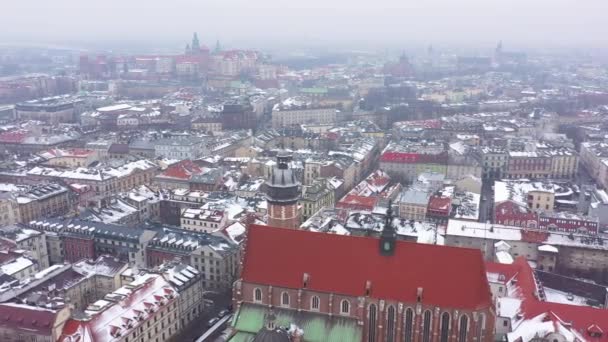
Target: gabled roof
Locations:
point(344, 264)
point(579, 318)
point(27, 318)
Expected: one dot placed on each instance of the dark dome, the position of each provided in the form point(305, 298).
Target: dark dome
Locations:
point(275, 335)
point(283, 178)
point(282, 187)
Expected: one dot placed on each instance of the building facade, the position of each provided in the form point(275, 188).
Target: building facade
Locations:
point(371, 312)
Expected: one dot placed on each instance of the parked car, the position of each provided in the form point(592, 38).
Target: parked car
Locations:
point(570, 296)
point(223, 313)
point(213, 321)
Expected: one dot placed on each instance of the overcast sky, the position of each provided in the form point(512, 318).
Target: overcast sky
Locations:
point(372, 22)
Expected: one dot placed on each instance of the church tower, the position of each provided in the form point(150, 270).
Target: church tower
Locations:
point(196, 45)
point(388, 237)
point(282, 194)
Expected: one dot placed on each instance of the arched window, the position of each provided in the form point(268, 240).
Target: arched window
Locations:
point(481, 324)
point(390, 324)
point(409, 323)
point(462, 330)
point(315, 303)
point(285, 299)
point(445, 327)
point(345, 307)
point(257, 295)
point(372, 323)
point(426, 327)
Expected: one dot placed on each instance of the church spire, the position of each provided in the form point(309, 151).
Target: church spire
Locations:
point(196, 45)
point(388, 237)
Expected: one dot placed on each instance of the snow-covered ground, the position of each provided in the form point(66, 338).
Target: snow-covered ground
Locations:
point(556, 296)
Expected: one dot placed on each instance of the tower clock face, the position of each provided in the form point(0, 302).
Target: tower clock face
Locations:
point(387, 245)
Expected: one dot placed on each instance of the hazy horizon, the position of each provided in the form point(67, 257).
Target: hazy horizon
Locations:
point(320, 23)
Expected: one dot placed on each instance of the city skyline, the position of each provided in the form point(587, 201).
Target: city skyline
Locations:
point(273, 24)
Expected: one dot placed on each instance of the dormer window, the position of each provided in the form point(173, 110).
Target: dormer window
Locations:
point(595, 331)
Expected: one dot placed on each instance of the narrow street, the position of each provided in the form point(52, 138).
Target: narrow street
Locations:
point(486, 203)
point(199, 327)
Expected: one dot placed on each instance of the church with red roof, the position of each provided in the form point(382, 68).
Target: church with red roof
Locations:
point(368, 289)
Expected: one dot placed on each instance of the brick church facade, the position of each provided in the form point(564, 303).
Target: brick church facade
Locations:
point(366, 289)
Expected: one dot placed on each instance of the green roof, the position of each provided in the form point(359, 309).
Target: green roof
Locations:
point(237, 84)
point(242, 337)
point(317, 327)
point(314, 90)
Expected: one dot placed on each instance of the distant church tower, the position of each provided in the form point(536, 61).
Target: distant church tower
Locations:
point(498, 52)
point(196, 45)
point(282, 193)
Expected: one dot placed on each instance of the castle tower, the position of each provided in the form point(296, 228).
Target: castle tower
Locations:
point(282, 193)
point(196, 45)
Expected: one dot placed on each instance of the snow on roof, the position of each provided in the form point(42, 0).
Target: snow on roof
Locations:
point(504, 257)
point(541, 326)
point(517, 190)
point(508, 307)
point(24, 234)
point(129, 168)
point(482, 230)
point(122, 106)
point(556, 296)
point(16, 266)
point(468, 208)
point(236, 232)
point(179, 274)
point(139, 299)
point(104, 265)
point(9, 187)
point(47, 271)
point(548, 248)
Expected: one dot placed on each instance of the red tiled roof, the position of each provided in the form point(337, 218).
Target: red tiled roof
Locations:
point(507, 270)
point(413, 158)
point(581, 317)
point(534, 236)
point(185, 169)
point(188, 59)
point(356, 201)
point(22, 317)
point(13, 137)
point(442, 204)
point(343, 264)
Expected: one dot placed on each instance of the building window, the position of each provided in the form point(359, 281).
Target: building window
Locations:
point(409, 323)
point(345, 307)
point(462, 331)
point(315, 303)
point(372, 323)
point(481, 325)
point(390, 324)
point(426, 328)
point(285, 299)
point(257, 295)
point(445, 327)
